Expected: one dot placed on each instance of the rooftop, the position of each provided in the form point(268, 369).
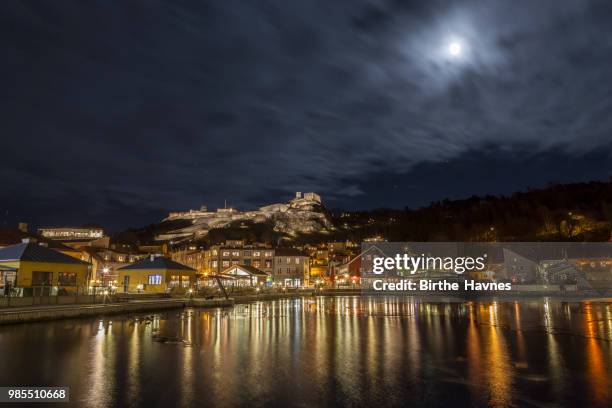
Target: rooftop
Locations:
point(31, 252)
point(156, 262)
point(251, 270)
point(289, 252)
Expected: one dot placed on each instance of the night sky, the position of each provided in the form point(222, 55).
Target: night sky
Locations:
point(115, 112)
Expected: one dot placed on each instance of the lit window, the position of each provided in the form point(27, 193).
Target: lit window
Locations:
point(297, 261)
point(155, 279)
point(66, 279)
point(174, 281)
point(256, 253)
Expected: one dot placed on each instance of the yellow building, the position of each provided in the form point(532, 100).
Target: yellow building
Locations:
point(39, 267)
point(155, 274)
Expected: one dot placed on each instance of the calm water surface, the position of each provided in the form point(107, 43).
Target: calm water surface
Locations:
point(347, 351)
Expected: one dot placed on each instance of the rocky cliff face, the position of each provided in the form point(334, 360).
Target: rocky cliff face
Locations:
point(304, 214)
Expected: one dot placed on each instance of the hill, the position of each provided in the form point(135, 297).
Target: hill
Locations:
point(570, 212)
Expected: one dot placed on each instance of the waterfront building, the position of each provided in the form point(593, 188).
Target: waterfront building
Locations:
point(285, 266)
point(589, 265)
point(156, 274)
point(219, 257)
point(291, 267)
point(318, 270)
point(105, 263)
point(518, 267)
point(244, 276)
point(194, 258)
point(7, 279)
point(37, 266)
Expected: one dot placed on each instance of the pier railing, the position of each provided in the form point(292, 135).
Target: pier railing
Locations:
point(54, 295)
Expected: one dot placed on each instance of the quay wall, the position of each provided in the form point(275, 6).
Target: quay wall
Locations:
point(55, 300)
point(33, 314)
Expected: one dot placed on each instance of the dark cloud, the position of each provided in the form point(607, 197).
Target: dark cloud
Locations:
point(116, 112)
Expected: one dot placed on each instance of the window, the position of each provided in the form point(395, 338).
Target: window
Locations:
point(42, 278)
point(288, 260)
point(66, 279)
point(225, 264)
point(174, 281)
point(247, 253)
point(257, 253)
point(246, 261)
point(256, 263)
point(214, 264)
point(297, 261)
point(185, 281)
point(235, 253)
point(225, 253)
point(268, 263)
point(268, 253)
point(155, 279)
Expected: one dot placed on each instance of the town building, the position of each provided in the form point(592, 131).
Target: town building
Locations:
point(217, 258)
point(39, 268)
point(105, 263)
point(155, 274)
point(8, 275)
point(71, 233)
point(285, 266)
point(244, 276)
point(76, 237)
point(291, 267)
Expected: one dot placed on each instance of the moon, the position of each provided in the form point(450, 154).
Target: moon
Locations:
point(455, 48)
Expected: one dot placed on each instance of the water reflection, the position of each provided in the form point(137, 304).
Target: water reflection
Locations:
point(326, 352)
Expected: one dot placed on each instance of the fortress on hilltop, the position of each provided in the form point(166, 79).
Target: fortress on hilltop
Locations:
point(303, 214)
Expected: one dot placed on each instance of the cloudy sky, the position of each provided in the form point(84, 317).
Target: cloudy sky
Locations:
point(115, 112)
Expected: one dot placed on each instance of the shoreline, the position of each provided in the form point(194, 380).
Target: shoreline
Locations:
point(41, 313)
